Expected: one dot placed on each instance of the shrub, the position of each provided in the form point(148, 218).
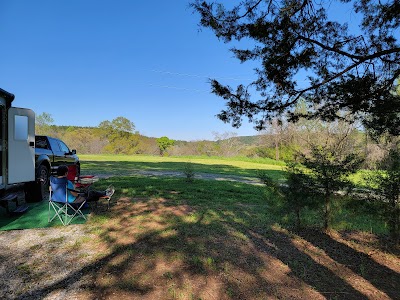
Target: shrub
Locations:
point(188, 170)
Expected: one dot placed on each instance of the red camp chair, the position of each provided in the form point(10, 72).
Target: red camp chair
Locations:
point(81, 182)
point(84, 182)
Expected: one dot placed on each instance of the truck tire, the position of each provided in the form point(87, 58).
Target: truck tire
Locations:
point(43, 175)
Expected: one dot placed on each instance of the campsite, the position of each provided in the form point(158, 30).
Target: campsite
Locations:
point(200, 150)
point(166, 238)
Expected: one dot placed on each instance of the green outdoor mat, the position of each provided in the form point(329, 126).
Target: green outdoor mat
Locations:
point(35, 217)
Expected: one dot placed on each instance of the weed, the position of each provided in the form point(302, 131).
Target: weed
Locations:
point(35, 247)
point(57, 240)
point(130, 252)
point(83, 255)
point(168, 275)
point(210, 263)
point(76, 246)
point(172, 291)
point(25, 269)
point(85, 239)
point(188, 171)
point(230, 292)
point(197, 262)
point(226, 267)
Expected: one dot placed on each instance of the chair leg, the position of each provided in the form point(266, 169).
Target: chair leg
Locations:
point(59, 211)
point(62, 212)
point(76, 212)
point(106, 198)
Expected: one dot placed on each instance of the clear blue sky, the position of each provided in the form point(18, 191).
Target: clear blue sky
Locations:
point(86, 61)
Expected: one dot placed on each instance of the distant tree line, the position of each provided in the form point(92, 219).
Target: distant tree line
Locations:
point(117, 136)
point(282, 140)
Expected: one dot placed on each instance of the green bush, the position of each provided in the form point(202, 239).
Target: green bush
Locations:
point(188, 170)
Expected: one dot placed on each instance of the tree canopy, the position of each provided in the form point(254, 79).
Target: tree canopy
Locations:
point(164, 143)
point(347, 68)
point(120, 135)
point(43, 123)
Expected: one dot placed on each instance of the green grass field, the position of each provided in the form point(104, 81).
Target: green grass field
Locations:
point(128, 165)
point(211, 194)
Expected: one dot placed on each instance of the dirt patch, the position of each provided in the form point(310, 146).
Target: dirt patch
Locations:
point(34, 259)
point(206, 176)
point(153, 249)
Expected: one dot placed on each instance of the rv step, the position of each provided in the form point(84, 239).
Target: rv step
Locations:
point(9, 197)
point(4, 200)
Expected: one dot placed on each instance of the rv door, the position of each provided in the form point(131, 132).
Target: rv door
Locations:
point(21, 145)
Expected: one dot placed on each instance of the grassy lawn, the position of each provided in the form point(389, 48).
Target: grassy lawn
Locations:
point(166, 238)
point(127, 165)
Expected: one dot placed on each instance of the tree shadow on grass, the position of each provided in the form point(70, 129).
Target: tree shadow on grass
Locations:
point(380, 276)
point(278, 243)
point(164, 245)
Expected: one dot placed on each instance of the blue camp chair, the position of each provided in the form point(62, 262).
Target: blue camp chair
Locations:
point(58, 202)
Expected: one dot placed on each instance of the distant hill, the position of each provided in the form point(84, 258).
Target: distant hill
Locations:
point(248, 140)
point(59, 131)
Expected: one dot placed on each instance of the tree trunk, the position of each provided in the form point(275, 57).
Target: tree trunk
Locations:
point(327, 215)
point(298, 221)
point(394, 222)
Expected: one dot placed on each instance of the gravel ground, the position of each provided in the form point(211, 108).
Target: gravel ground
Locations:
point(35, 258)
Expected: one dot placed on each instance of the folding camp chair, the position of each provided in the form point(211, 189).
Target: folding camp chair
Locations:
point(106, 197)
point(73, 173)
point(58, 202)
point(82, 182)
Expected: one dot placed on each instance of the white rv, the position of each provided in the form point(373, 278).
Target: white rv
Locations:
point(17, 143)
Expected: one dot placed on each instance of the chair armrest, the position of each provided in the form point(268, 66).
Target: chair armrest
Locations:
point(76, 191)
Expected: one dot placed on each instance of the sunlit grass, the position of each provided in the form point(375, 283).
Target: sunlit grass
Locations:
point(129, 164)
point(215, 200)
point(236, 203)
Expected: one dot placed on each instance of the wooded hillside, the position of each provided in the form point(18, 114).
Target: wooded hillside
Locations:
point(281, 141)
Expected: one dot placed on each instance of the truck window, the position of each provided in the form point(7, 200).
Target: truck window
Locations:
point(41, 142)
point(64, 148)
point(54, 145)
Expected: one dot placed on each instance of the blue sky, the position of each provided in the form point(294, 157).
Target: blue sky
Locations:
point(85, 61)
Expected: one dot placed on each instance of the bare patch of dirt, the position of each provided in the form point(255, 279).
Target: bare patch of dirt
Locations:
point(152, 249)
point(207, 176)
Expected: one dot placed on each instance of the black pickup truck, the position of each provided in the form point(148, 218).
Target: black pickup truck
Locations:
point(51, 153)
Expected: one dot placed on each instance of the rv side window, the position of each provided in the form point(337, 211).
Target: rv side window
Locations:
point(21, 128)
